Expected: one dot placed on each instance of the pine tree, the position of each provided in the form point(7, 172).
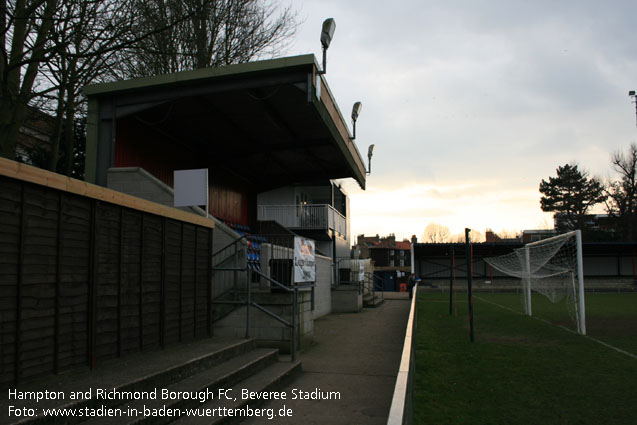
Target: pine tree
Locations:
point(570, 195)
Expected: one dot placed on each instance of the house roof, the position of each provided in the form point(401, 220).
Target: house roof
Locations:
point(269, 123)
point(388, 244)
point(403, 245)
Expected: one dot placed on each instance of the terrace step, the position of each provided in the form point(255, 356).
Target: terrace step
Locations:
point(272, 378)
point(210, 364)
point(224, 375)
point(371, 302)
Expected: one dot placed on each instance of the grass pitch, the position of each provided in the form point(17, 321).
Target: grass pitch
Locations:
point(521, 370)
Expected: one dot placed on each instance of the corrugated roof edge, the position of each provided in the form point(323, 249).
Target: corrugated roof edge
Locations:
point(200, 74)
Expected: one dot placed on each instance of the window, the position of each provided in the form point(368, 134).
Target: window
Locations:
point(402, 263)
point(391, 263)
point(391, 252)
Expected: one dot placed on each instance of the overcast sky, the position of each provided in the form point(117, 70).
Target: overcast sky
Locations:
point(472, 103)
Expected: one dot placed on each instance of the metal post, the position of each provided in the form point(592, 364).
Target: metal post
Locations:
point(455, 292)
point(580, 284)
point(209, 284)
point(181, 280)
point(527, 289)
point(248, 301)
point(294, 325)
point(324, 70)
point(634, 275)
point(451, 281)
point(469, 293)
point(235, 273)
point(195, 283)
point(141, 283)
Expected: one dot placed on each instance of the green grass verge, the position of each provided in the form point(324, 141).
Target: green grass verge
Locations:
point(520, 370)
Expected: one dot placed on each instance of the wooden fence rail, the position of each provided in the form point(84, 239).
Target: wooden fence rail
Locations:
point(83, 280)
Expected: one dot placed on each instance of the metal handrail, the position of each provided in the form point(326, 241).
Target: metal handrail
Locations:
point(369, 282)
point(250, 303)
point(234, 242)
point(311, 216)
point(382, 284)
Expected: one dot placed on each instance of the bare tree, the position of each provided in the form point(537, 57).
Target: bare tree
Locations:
point(217, 33)
point(50, 49)
point(508, 234)
point(436, 233)
point(24, 45)
point(86, 43)
point(622, 193)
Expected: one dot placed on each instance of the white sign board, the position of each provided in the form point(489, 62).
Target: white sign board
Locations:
point(304, 260)
point(191, 188)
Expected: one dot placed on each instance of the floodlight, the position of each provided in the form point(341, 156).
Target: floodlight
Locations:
point(327, 32)
point(356, 109)
point(370, 152)
point(631, 93)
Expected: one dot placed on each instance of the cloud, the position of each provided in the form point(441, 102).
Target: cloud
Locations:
point(487, 94)
point(407, 209)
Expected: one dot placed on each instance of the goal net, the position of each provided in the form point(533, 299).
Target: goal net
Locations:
point(552, 267)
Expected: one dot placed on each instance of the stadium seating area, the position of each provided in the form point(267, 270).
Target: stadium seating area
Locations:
point(254, 244)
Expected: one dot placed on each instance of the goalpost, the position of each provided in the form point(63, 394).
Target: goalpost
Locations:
point(552, 267)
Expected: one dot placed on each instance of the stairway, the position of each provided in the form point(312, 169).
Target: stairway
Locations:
point(371, 299)
point(168, 382)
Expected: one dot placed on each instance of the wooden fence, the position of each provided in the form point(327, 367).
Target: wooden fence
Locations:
point(88, 274)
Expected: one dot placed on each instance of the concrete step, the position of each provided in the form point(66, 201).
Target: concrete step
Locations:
point(141, 372)
point(272, 378)
point(370, 301)
point(203, 385)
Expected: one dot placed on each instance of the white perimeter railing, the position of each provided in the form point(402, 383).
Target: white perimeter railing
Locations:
point(304, 216)
point(402, 404)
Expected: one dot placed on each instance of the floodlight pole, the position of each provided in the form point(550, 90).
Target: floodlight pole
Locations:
point(469, 291)
point(451, 266)
point(324, 70)
point(633, 96)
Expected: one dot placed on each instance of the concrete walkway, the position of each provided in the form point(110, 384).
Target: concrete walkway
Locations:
point(355, 357)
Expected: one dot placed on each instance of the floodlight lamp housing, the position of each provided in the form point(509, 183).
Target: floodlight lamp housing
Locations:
point(356, 110)
point(631, 93)
point(327, 32)
point(370, 152)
